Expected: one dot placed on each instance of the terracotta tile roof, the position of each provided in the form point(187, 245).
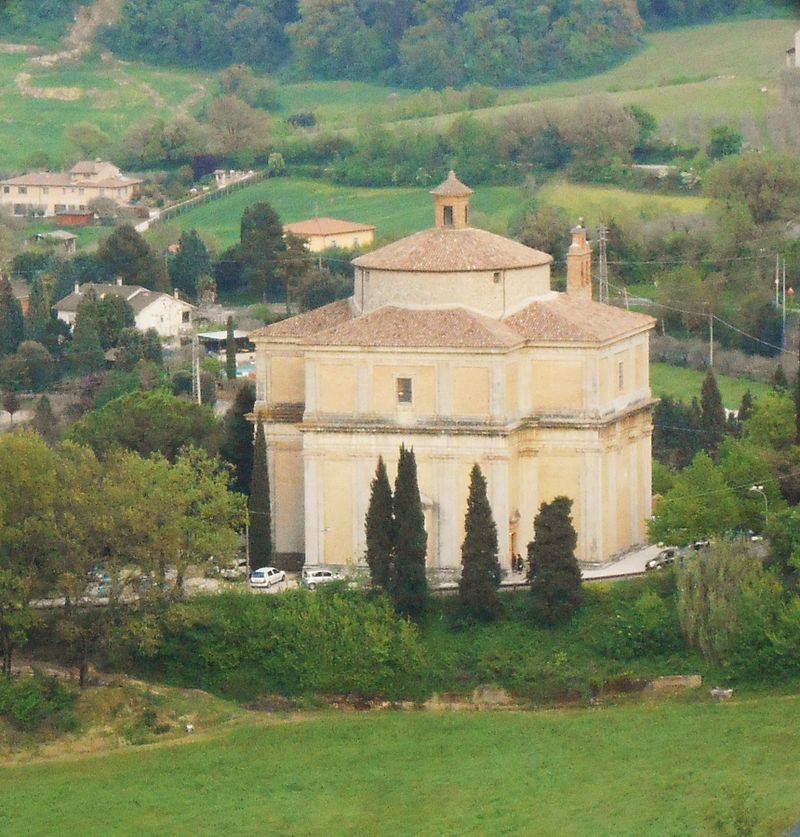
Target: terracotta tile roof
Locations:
point(452, 188)
point(419, 328)
point(560, 317)
point(310, 323)
point(448, 249)
point(43, 178)
point(135, 295)
point(326, 226)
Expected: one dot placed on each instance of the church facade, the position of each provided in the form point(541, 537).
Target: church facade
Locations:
point(454, 344)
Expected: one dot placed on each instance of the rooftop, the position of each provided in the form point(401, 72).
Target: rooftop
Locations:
point(326, 226)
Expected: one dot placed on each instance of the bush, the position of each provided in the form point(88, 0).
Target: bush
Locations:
point(330, 641)
point(30, 702)
point(648, 625)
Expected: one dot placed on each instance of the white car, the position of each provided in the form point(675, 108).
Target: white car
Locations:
point(266, 577)
point(312, 576)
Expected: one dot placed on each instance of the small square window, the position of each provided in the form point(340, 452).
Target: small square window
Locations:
point(23, 190)
point(6, 190)
point(404, 391)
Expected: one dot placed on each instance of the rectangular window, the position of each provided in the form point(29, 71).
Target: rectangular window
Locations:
point(404, 391)
point(620, 375)
point(6, 189)
point(448, 216)
point(23, 190)
point(45, 190)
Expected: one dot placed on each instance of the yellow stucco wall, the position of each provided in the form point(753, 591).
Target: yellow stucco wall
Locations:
point(471, 391)
point(337, 387)
point(557, 385)
point(287, 379)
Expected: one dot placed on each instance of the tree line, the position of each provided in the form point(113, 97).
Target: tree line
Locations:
point(413, 44)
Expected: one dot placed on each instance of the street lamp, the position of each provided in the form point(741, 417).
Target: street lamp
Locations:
point(759, 489)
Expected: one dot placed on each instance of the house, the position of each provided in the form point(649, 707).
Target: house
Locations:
point(322, 233)
point(454, 344)
point(169, 315)
point(56, 193)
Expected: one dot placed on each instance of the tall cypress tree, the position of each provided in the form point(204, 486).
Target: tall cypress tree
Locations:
point(480, 569)
point(554, 574)
point(38, 310)
point(230, 352)
point(746, 405)
point(712, 414)
point(796, 401)
point(45, 422)
point(258, 506)
point(379, 527)
point(237, 443)
point(11, 322)
point(408, 584)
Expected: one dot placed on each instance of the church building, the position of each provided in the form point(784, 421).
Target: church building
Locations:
point(454, 344)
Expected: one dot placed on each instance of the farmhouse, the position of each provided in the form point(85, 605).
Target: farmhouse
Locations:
point(322, 233)
point(61, 193)
point(454, 344)
point(169, 315)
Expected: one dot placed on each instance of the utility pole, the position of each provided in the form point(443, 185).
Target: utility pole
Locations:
point(710, 340)
point(197, 394)
point(783, 306)
point(602, 264)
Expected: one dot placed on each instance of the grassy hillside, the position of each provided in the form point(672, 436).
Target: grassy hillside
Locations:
point(679, 382)
point(662, 767)
point(688, 78)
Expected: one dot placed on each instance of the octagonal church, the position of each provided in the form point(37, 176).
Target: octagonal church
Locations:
point(455, 345)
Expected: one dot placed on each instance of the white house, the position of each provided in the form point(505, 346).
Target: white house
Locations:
point(168, 315)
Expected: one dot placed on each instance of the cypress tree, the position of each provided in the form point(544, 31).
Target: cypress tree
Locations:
point(259, 505)
point(230, 352)
point(408, 584)
point(480, 569)
point(11, 323)
point(44, 421)
point(779, 381)
point(237, 443)
point(554, 575)
point(379, 527)
point(712, 414)
point(796, 402)
point(38, 310)
point(745, 406)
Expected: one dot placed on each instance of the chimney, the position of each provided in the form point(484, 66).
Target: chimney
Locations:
point(119, 281)
point(579, 264)
point(175, 293)
point(77, 288)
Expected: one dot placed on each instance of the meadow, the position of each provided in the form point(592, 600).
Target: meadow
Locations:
point(683, 383)
point(651, 767)
point(688, 78)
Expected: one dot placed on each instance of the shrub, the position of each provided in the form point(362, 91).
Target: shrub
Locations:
point(29, 702)
point(330, 641)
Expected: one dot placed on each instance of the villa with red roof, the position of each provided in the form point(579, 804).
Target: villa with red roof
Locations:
point(322, 233)
point(455, 345)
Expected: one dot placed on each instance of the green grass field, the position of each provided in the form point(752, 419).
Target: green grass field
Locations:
point(679, 382)
point(689, 78)
point(654, 768)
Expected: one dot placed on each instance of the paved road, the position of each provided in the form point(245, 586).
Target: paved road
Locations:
point(630, 564)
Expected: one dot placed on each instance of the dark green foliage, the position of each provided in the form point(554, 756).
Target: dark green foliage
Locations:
point(408, 584)
point(745, 406)
point(259, 504)
point(379, 527)
point(480, 569)
point(85, 352)
point(230, 352)
point(134, 346)
point(11, 322)
point(31, 368)
point(319, 287)
point(779, 381)
point(209, 33)
point(125, 253)
point(554, 574)
point(108, 316)
point(677, 434)
point(44, 421)
point(33, 701)
point(237, 441)
point(38, 310)
point(712, 414)
point(724, 141)
point(332, 641)
point(261, 242)
point(189, 264)
point(146, 422)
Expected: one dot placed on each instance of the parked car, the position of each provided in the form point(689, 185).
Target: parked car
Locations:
point(313, 576)
point(701, 544)
point(266, 577)
point(664, 558)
